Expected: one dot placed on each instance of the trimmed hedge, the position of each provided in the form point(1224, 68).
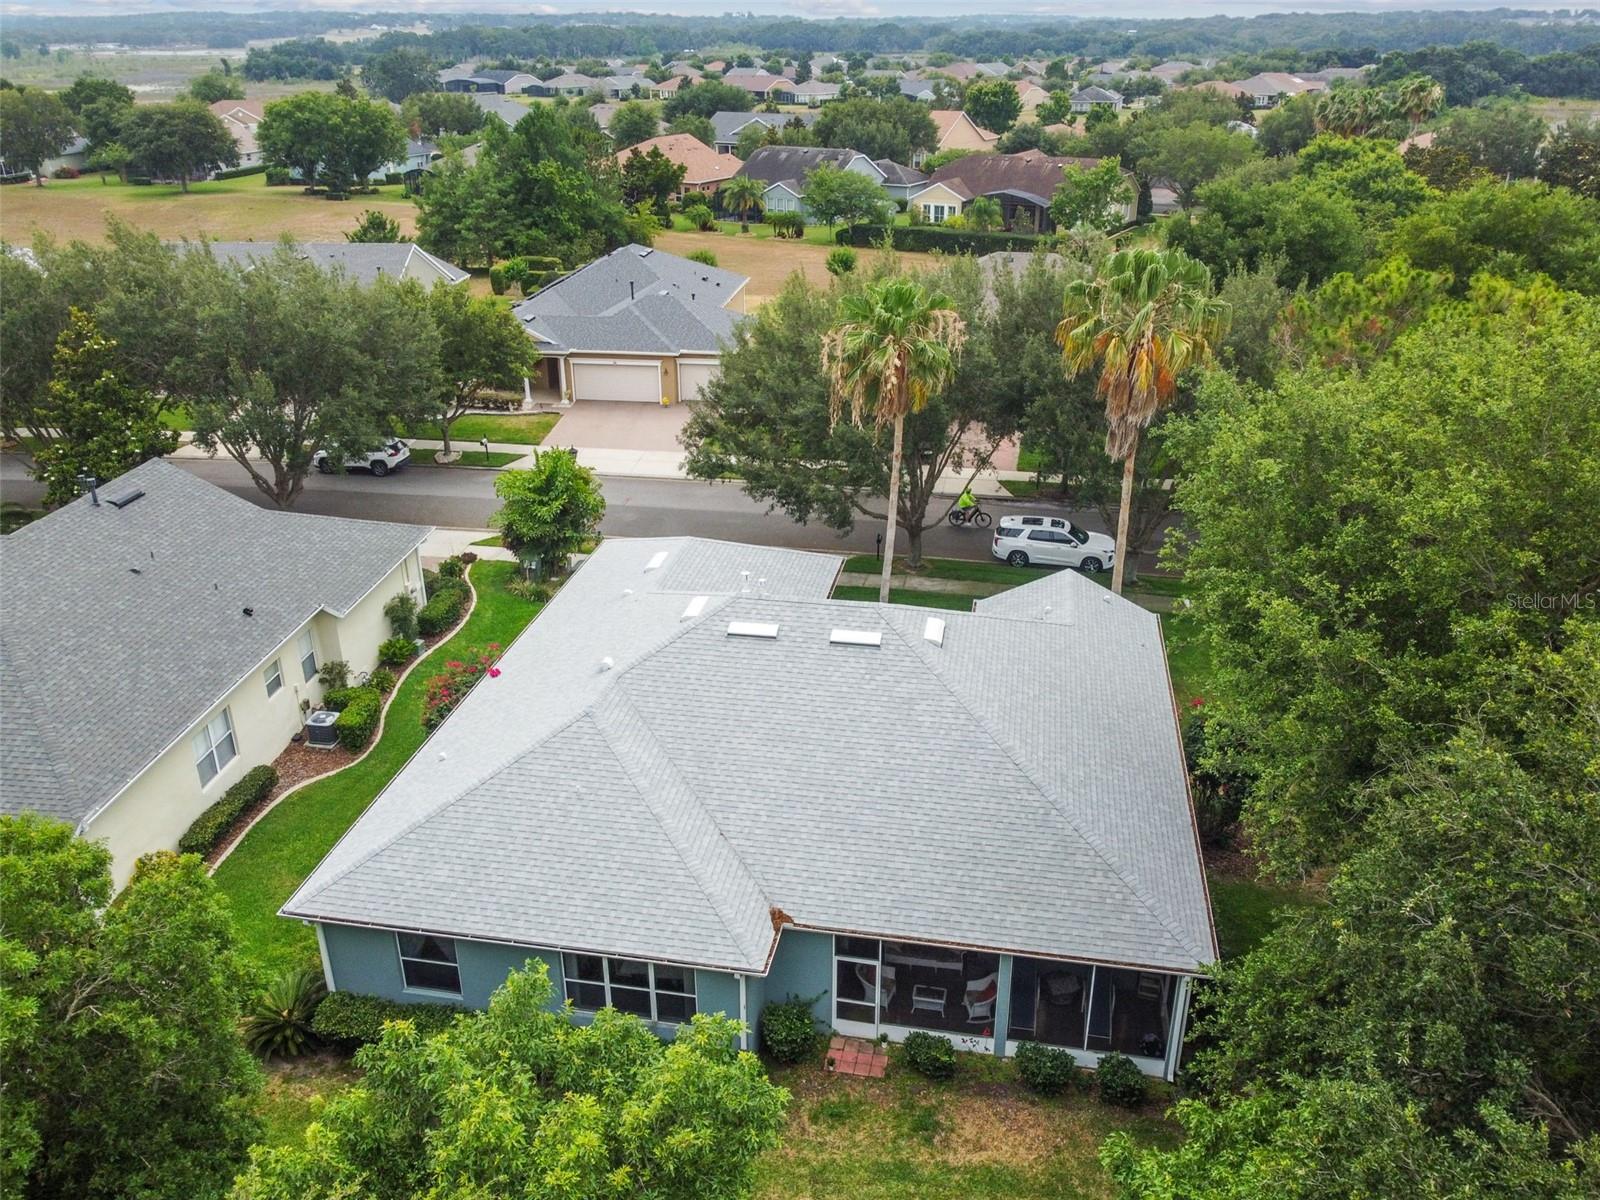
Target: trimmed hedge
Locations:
point(935, 237)
point(788, 1030)
point(397, 651)
point(359, 717)
point(931, 1055)
point(1120, 1081)
point(443, 608)
point(335, 699)
point(202, 837)
point(241, 172)
point(351, 1019)
point(1046, 1069)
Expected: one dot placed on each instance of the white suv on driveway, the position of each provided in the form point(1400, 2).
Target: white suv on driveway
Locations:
point(391, 456)
point(1051, 542)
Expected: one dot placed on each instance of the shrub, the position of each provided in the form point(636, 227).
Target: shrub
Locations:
point(241, 172)
point(789, 1031)
point(335, 699)
point(395, 652)
point(442, 611)
point(402, 613)
point(841, 260)
point(531, 590)
point(349, 1019)
point(1120, 1081)
point(65, 172)
point(209, 827)
point(359, 717)
point(931, 1055)
point(382, 680)
point(787, 224)
point(278, 1021)
point(1218, 779)
point(460, 675)
point(452, 568)
point(701, 217)
point(703, 256)
point(497, 279)
point(936, 237)
point(468, 557)
point(1047, 1070)
point(335, 674)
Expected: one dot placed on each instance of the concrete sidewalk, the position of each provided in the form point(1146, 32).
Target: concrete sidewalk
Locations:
point(447, 543)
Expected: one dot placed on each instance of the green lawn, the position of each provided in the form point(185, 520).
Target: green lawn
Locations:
point(522, 429)
point(288, 1103)
point(817, 235)
point(1022, 489)
point(1187, 657)
point(471, 458)
point(907, 596)
point(1246, 910)
point(976, 1137)
point(285, 845)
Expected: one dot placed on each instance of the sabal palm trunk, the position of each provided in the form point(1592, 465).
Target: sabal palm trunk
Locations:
point(894, 508)
point(1121, 563)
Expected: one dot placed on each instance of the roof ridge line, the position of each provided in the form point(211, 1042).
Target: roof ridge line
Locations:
point(618, 698)
point(1090, 839)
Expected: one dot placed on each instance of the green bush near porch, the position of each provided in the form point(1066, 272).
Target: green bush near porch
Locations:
point(286, 845)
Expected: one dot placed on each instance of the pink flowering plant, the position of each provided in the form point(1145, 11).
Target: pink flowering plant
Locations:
point(446, 690)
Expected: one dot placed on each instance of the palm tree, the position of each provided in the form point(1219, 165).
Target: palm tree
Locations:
point(893, 346)
point(741, 194)
point(1420, 97)
point(1143, 319)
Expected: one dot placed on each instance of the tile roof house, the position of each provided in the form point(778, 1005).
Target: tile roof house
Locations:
point(704, 169)
point(364, 262)
point(757, 82)
point(674, 795)
point(728, 125)
point(637, 324)
point(1023, 185)
point(159, 638)
point(240, 118)
point(957, 131)
point(783, 169)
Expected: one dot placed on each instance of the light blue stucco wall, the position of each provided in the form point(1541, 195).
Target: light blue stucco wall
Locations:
point(368, 961)
point(803, 966)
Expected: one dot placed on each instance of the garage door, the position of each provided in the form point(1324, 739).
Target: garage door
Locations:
point(616, 380)
point(692, 376)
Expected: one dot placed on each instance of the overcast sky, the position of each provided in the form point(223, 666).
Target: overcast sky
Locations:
point(811, 8)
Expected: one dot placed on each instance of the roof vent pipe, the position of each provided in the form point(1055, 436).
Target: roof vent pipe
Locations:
point(90, 482)
point(607, 663)
point(630, 289)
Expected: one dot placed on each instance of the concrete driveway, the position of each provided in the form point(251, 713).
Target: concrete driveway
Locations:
point(620, 425)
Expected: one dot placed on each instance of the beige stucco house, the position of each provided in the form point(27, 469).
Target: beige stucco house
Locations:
point(957, 131)
point(161, 637)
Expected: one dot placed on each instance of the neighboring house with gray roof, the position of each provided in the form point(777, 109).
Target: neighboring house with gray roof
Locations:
point(899, 180)
point(728, 125)
point(364, 262)
point(783, 171)
point(159, 644)
point(675, 795)
point(502, 82)
point(637, 324)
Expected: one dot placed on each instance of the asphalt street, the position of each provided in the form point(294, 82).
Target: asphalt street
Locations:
point(464, 499)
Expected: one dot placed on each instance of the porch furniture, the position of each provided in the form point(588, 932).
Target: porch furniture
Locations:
point(927, 998)
point(925, 956)
point(864, 976)
point(979, 996)
point(1063, 989)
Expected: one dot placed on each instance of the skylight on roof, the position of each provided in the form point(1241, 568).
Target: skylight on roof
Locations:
point(656, 559)
point(752, 629)
point(856, 637)
point(933, 630)
point(695, 607)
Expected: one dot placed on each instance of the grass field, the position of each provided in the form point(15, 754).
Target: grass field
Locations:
point(522, 429)
point(243, 209)
point(469, 458)
point(769, 261)
point(285, 845)
point(1245, 910)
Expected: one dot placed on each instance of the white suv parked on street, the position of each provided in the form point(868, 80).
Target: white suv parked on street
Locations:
point(1051, 542)
point(391, 456)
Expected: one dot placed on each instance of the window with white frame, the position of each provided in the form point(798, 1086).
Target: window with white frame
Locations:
point(308, 656)
point(428, 963)
point(214, 747)
point(274, 678)
point(654, 991)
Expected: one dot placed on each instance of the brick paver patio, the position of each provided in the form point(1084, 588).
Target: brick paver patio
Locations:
point(857, 1056)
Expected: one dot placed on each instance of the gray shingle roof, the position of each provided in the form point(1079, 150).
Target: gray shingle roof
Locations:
point(899, 174)
point(728, 124)
point(791, 164)
point(124, 626)
point(364, 262)
point(636, 300)
point(639, 782)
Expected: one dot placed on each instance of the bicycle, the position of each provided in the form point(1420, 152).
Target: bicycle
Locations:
point(970, 516)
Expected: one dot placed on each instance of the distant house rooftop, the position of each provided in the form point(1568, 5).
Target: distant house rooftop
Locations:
point(365, 262)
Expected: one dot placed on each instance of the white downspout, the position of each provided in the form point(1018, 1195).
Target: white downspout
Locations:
point(327, 963)
point(744, 1014)
point(1180, 1018)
